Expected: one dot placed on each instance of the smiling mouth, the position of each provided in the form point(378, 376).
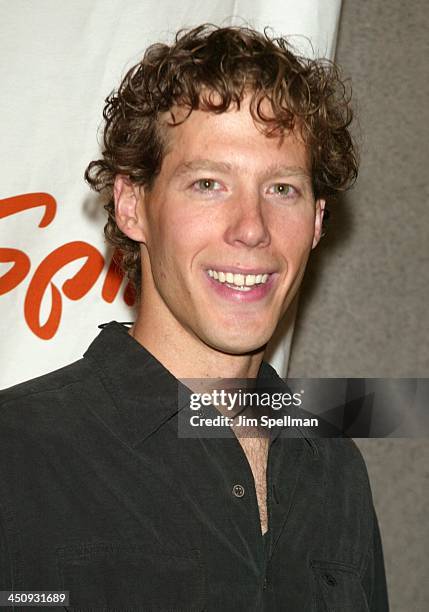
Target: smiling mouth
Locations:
point(239, 282)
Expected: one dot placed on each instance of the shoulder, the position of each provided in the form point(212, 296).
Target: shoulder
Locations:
point(52, 380)
point(341, 450)
point(343, 458)
point(36, 402)
point(44, 426)
point(346, 482)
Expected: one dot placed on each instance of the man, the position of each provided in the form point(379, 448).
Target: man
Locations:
point(220, 152)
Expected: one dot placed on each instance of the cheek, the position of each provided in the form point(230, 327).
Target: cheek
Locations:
point(295, 235)
point(175, 240)
point(186, 234)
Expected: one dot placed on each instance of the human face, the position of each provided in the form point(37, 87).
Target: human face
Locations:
point(228, 201)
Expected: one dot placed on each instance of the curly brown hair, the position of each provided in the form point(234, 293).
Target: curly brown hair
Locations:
point(229, 62)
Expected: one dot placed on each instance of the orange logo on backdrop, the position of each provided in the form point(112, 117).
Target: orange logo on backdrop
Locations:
point(73, 288)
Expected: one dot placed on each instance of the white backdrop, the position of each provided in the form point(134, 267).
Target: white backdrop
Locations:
point(59, 60)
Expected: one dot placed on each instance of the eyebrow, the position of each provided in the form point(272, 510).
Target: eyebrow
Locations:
point(202, 164)
point(209, 164)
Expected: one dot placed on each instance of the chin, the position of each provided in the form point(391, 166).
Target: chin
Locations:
point(239, 345)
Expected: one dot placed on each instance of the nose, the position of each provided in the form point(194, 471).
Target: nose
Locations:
point(247, 223)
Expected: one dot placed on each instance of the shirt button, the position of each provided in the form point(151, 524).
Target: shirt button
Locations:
point(238, 490)
point(329, 579)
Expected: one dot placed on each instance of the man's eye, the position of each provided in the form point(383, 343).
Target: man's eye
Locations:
point(282, 189)
point(206, 185)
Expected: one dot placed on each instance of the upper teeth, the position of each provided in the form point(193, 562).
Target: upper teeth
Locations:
point(239, 280)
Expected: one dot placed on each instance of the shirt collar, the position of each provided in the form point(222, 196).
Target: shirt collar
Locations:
point(144, 393)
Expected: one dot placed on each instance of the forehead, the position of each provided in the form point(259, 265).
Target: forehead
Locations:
point(233, 138)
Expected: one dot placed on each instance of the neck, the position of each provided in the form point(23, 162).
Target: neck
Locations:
point(186, 356)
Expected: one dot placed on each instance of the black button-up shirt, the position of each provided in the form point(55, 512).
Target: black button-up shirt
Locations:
point(100, 496)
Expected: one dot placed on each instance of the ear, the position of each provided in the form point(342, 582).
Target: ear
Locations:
point(128, 207)
point(320, 209)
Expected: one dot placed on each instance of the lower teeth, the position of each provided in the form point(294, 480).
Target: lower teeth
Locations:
point(237, 288)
